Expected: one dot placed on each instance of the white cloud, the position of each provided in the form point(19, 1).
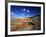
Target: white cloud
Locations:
point(12, 13)
point(28, 11)
point(24, 9)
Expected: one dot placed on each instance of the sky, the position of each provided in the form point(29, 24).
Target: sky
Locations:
point(24, 11)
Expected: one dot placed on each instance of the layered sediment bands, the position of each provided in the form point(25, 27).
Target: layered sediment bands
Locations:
point(25, 24)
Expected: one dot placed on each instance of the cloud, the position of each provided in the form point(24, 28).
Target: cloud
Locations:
point(28, 11)
point(12, 13)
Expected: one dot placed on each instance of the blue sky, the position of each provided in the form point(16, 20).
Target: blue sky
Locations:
point(24, 11)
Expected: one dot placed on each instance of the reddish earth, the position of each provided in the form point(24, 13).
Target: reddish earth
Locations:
point(21, 23)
